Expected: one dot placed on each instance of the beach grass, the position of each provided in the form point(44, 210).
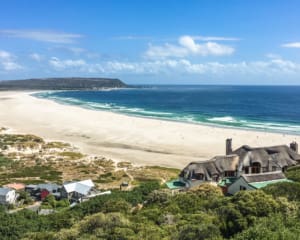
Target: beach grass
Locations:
point(111, 177)
point(59, 145)
point(44, 173)
point(150, 173)
point(72, 155)
point(30, 159)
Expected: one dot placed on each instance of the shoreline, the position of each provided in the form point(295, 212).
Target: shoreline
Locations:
point(205, 124)
point(201, 123)
point(140, 140)
point(213, 125)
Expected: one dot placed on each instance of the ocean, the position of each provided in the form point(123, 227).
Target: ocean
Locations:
point(264, 108)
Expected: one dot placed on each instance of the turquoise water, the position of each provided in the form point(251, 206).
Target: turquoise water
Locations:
point(266, 108)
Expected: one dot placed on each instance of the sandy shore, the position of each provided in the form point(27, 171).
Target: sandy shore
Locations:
point(124, 138)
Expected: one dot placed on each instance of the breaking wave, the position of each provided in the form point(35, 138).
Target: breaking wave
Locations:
point(168, 113)
point(223, 119)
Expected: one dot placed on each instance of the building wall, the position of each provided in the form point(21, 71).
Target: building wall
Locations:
point(192, 183)
point(44, 194)
point(236, 186)
point(9, 198)
point(2, 199)
point(64, 193)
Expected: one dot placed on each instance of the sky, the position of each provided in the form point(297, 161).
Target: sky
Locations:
point(249, 42)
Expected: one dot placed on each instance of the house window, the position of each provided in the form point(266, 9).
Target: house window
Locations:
point(229, 174)
point(284, 169)
point(246, 169)
point(242, 188)
point(215, 177)
point(264, 169)
point(198, 176)
point(274, 168)
point(255, 168)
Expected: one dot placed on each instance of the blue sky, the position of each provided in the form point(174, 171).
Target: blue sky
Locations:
point(160, 42)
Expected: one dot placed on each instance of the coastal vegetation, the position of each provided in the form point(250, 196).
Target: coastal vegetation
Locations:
point(144, 210)
point(151, 212)
point(62, 84)
point(29, 159)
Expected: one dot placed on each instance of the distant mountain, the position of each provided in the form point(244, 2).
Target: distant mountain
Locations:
point(62, 84)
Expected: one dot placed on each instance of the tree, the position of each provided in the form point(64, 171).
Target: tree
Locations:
point(25, 196)
point(50, 200)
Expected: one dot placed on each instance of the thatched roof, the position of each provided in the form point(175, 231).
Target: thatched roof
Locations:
point(211, 167)
point(245, 156)
point(281, 156)
point(263, 177)
point(226, 163)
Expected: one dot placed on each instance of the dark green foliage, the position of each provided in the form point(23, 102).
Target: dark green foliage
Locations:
point(25, 197)
point(76, 83)
point(254, 203)
point(50, 201)
point(293, 173)
point(5, 162)
point(290, 190)
point(275, 227)
point(149, 212)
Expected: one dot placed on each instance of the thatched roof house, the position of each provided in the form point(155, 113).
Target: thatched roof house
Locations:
point(276, 156)
point(244, 160)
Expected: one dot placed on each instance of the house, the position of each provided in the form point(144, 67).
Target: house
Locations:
point(42, 190)
point(43, 194)
point(16, 186)
point(31, 189)
point(49, 188)
point(212, 170)
point(256, 181)
point(7, 196)
point(77, 191)
point(226, 169)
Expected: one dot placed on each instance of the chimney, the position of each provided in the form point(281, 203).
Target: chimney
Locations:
point(294, 146)
point(228, 146)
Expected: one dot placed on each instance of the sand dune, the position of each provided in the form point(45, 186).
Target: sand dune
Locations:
point(125, 138)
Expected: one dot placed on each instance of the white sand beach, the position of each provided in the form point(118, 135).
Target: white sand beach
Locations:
point(125, 138)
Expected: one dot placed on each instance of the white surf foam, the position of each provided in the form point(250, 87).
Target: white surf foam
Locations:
point(223, 119)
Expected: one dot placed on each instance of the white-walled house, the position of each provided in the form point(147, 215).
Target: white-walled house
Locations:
point(7, 196)
point(76, 191)
point(257, 181)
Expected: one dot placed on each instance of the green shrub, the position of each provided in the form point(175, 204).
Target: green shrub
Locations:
point(289, 190)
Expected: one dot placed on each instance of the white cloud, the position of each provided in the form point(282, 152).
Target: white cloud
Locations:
point(5, 55)
point(291, 45)
point(69, 63)
point(211, 38)
point(35, 56)
point(188, 47)
point(8, 62)
point(166, 51)
point(43, 36)
point(270, 67)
